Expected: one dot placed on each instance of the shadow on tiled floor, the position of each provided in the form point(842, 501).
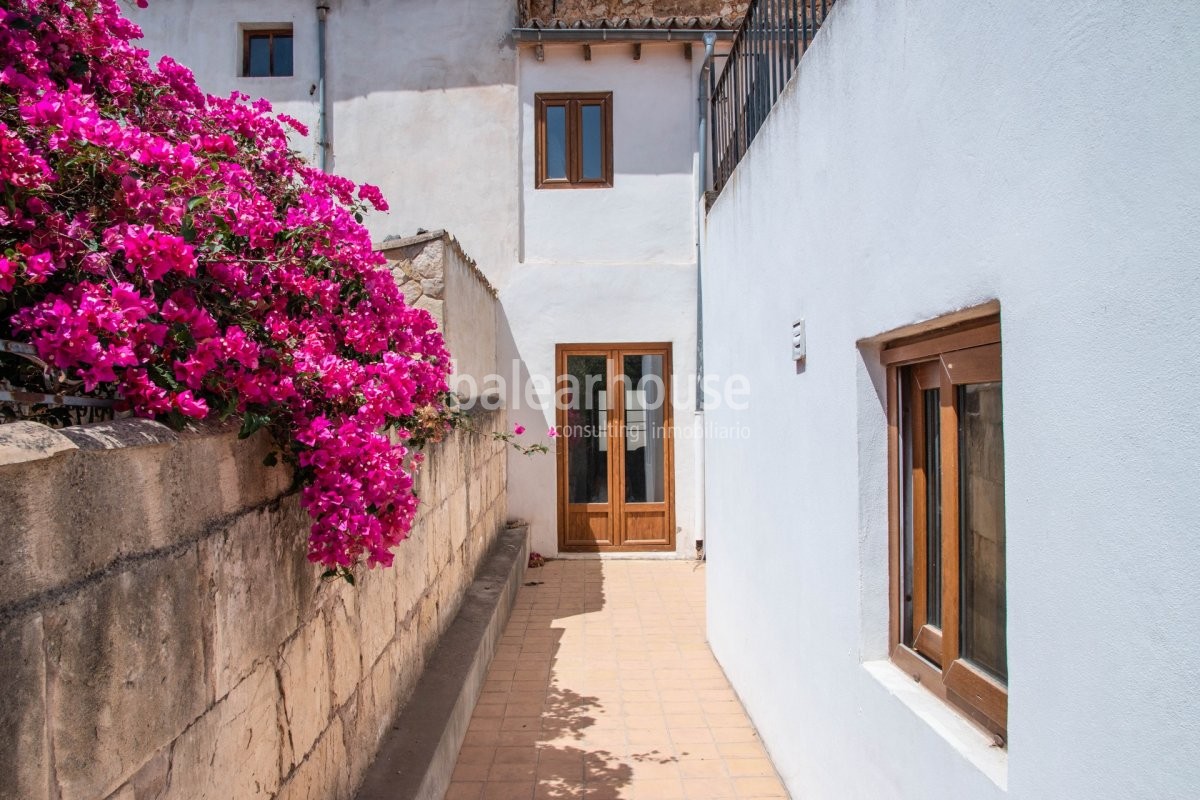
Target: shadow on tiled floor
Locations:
point(603, 687)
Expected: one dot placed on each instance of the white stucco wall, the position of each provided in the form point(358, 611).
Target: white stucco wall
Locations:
point(647, 215)
point(931, 156)
point(608, 265)
point(422, 98)
point(549, 305)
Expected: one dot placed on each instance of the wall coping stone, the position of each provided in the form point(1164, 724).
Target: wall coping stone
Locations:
point(26, 440)
point(31, 441)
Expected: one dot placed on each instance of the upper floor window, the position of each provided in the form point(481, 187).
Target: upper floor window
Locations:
point(946, 436)
point(574, 140)
point(267, 53)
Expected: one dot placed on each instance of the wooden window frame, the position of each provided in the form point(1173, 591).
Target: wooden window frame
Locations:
point(573, 103)
point(272, 33)
point(945, 359)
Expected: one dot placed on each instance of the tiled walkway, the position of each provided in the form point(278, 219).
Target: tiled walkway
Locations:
point(603, 687)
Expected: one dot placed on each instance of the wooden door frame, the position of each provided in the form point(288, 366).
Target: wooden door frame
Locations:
point(613, 351)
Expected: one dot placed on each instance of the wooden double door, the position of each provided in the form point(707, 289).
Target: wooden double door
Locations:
point(616, 489)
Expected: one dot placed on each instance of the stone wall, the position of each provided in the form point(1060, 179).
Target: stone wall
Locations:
point(162, 636)
point(435, 274)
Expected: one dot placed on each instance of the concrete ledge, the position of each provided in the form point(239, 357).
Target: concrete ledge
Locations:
point(417, 757)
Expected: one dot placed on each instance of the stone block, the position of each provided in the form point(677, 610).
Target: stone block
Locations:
point(345, 656)
point(377, 613)
point(411, 290)
point(379, 698)
point(125, 668)
point(149, 782)
point(304, 684)
point(449, 593)
point(410, 566)
point(72, 514)
point(324, 774)
point(427, 630)
point(259, 580)
point(429, 259)
point(477, 502)
point(457, 517)
point(24, 758)
point(434, 307)
point(433, 288)
point(233, 750)
point(257, 483)
point(100, 492)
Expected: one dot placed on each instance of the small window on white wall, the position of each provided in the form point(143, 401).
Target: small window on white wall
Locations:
point(267, 51)
point(574, 140)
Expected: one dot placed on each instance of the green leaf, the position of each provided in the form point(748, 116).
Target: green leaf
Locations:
point(230, 406)
point(338, 572)
point(188, 231)
point(195, 203)
point(162, 375)
point(252, 422)
point(358, 217)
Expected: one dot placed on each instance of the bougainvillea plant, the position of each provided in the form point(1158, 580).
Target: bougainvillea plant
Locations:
point(167, 247)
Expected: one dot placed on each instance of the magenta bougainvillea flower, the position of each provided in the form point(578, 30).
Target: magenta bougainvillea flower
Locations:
point(168, 246)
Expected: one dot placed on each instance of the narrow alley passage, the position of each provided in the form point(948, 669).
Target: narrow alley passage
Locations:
point(603, 687)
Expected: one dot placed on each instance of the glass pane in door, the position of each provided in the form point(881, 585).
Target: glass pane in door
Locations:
point(645, 429)
point(586, 431)
point(981, 525)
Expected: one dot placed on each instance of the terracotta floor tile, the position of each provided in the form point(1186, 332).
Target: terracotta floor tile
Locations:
point(656, 789)
point(750, 767)
point(507, 790)
point(741, 749)
point(603, 687)
point(465, 791)
point(708, 788)
point(499, 773)
point(485, 723)
point(734, 734)
point(558, 790)
point(759, 787)
point(470, 772)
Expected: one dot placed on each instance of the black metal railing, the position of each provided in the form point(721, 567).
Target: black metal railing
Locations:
point(768, 46)
point(30, 390)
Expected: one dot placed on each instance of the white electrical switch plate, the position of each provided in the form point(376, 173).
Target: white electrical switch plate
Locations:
point(799, 346)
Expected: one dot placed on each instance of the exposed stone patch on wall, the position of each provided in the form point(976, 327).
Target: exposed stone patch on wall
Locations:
point(162, 635)
point(435, 274)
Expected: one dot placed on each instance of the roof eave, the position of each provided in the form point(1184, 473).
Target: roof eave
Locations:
point(617, 35)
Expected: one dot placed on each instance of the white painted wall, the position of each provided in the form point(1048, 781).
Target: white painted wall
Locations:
point(422, 95)
point(931, 156)
point(548, 305)
point(647, 216)
point(608, 265)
